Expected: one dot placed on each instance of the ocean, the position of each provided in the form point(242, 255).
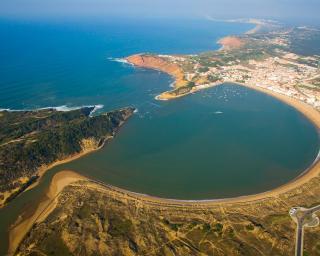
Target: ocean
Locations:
point(74, 63)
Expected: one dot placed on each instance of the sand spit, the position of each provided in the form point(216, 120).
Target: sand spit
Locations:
point(44, 208)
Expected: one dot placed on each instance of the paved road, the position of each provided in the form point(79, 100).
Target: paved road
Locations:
point(304, 218)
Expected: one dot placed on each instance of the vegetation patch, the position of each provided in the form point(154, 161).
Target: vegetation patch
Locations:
point(119, 226)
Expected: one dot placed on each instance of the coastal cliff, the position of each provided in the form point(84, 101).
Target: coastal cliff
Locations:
point(181, 84)
point(33, 141)
point(158, 63)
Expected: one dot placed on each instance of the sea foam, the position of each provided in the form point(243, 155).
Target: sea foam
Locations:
point(120, 60)
point(62, 108)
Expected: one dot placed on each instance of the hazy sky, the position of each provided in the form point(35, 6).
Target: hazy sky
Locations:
point(307, 10)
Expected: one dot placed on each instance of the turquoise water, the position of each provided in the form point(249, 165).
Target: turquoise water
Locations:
point(225, 141)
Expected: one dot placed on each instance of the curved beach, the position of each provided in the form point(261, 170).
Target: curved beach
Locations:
point(313, 171)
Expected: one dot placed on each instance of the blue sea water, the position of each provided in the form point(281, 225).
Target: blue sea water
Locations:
point(71, 63)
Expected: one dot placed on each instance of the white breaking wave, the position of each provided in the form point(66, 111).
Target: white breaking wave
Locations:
point(120, 60)
point(158, 98)
point(96, 108)
point(218, 112)
point(62, 108)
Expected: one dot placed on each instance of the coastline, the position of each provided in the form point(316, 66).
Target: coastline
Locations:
point(160, 64)
point(258, 24)
point(43, 169)
point(85, 152)
point(305, 109)
point(230, 42)
point(313, 171)
point(157, 63)
point(65, 178)
point(44, 208)
point(269, 215)
point(31, 182)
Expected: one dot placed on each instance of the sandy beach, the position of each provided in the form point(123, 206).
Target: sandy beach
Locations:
point(47, 204)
